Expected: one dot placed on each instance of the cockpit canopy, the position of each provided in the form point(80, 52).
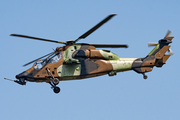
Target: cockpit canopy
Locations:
point(49, 60)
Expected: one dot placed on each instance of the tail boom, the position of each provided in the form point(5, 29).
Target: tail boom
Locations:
point(157, 57)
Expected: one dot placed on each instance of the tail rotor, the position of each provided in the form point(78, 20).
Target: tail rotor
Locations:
point(167, 39)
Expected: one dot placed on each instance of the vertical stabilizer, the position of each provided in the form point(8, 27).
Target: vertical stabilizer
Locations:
point(157, 57)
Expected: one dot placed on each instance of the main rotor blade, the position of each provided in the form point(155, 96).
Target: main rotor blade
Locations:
point(109, 45)
point(38, 59)
point(25, 36)
point(95, 27)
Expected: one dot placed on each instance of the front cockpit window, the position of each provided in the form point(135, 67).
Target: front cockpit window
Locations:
point(49, 60)
point(39, 64)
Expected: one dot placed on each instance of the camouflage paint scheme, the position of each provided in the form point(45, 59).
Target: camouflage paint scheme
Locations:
point(81, 61)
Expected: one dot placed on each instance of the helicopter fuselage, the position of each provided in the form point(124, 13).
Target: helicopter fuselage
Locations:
point(78, 61)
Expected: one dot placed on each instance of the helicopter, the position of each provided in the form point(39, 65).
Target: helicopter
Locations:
point(75, 61)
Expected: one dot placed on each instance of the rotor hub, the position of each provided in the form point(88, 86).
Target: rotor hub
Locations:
point(70, 42)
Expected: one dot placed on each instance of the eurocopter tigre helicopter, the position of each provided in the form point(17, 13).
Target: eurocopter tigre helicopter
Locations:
point(80, 60)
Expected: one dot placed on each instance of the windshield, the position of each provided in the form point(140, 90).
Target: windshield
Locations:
point(55, 59)
point(41, 63)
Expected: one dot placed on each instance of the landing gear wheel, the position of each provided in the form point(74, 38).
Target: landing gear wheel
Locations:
point(56, 89)
point(145, 76)
point(55, 81)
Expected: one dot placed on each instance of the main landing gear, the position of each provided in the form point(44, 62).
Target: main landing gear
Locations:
point(55, 88)
point(54, 82)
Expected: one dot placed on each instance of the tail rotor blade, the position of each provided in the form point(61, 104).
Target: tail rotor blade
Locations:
point(152, 44)
point(167, 35)
point(170, 52)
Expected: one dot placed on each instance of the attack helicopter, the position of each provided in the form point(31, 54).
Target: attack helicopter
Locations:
point(76, 61)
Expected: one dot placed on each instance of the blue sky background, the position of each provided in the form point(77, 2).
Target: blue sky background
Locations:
point(126, 96)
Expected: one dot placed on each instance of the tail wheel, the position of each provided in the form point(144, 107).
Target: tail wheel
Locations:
point(145, 76)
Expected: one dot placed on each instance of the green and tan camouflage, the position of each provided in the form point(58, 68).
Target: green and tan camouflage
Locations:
point(81, 61)
point(76, 61)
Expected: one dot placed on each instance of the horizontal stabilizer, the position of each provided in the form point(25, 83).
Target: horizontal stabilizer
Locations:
point(165, 58)
point(169, 38)
point(161, 52)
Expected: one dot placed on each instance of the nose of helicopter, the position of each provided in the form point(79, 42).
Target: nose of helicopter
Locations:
point(24, 75)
